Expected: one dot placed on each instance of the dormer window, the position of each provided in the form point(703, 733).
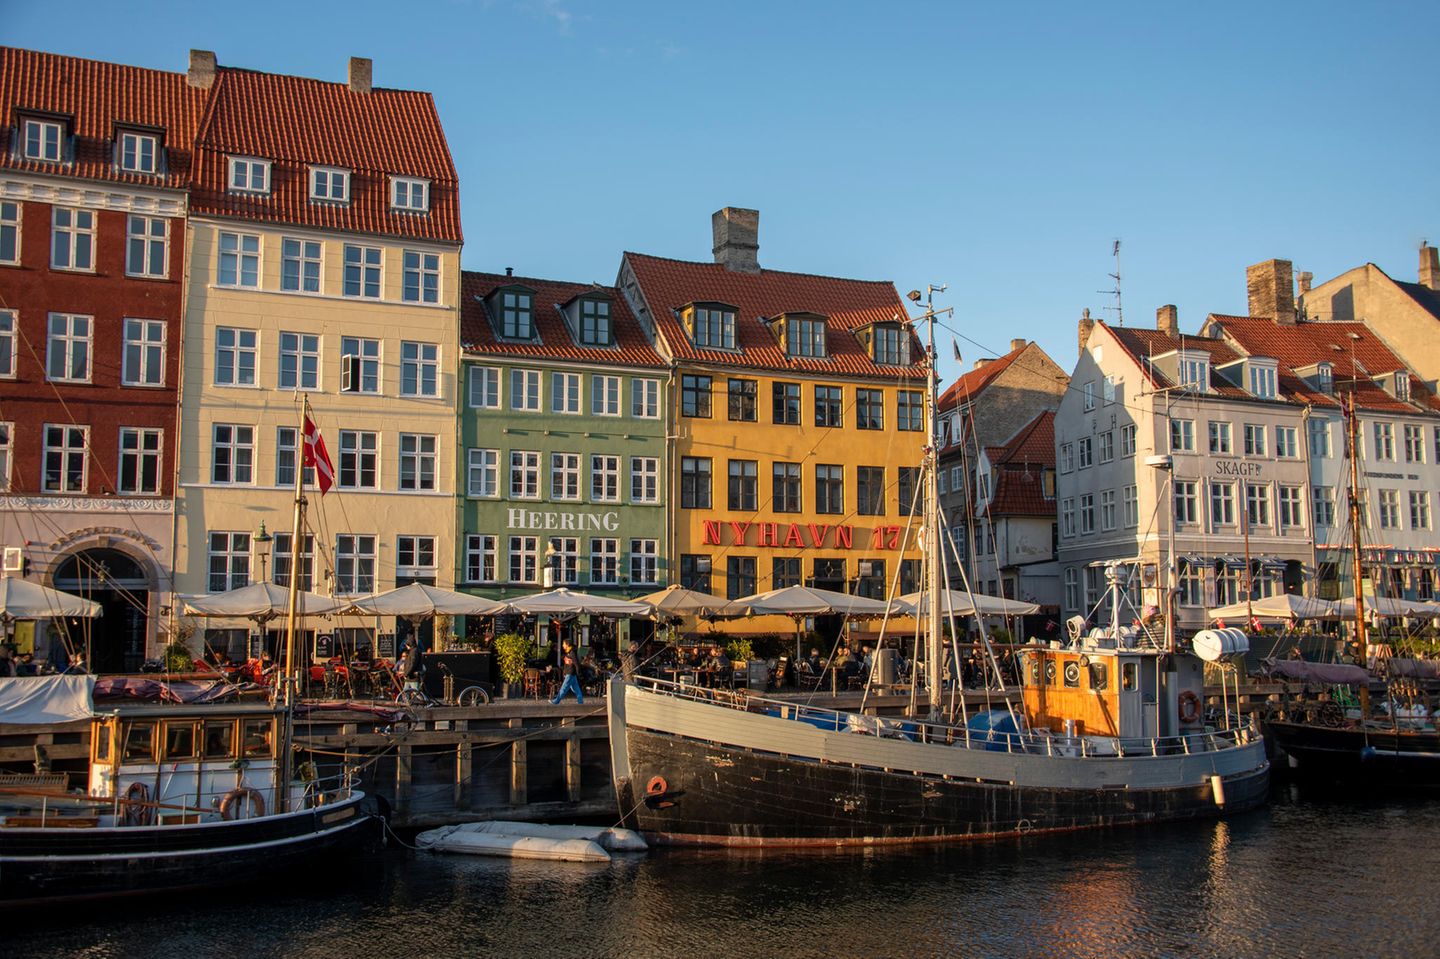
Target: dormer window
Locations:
point(42, 140)
point(712, 326)
point(329, 184)
point(1262, 381)
point(1194, 372)
point(595, 323)
point(138, 152)
point(515, 308)
point(410, 194)
point(804, 335)
point(1325, 378)
point(891, 345)
point(1402, 385)
point(249, 175)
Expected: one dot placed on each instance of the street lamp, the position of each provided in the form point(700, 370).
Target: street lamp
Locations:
point(263, 540)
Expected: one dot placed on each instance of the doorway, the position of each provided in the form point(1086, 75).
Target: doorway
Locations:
point(114, 642)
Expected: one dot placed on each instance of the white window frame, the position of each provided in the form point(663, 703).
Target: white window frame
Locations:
point(237, 349)
point(248, 174)
point(566, 559)
point(1222, 437)
point(605, 561)
point(417, 451)
point(1384, 441)
point(1131, 501)
point(1107, 510)
point(419, 369)
point(131, 144)
point(144, 343)
point(143, 446)
point(11, 228)
point(1186, 495)
point(1287, 443)
point(361, 448)
point(1262, 382)
point(525, 474)
point(1387, 508)
point(1087, 513)
point(420, 276)
point(1320, 438)
point(644, 398)
point(238, 441)
point(329, 184)
point(523, 553)
point(644, 561)
point(356, 557)
point(305, 350)
point(1089, 393)
point(72, 232)
point(1322, 502)
point(1413, 439)
point(48, 138)
point(366, 265)
point(147, 247)
point(242, 257)
point(9, 342)
point(1256, 440)
point(1419, 509)
point(485, 382)
point(525, 387)
point(416, 546)
point(604, 395)
point(565, 393)
point(232, 549)
point(1184, 431)
point(565, 477)
point(1067, 517)
point(308, 258)
point(72, 441)
point(1127, 440)
point(604, 478)
point(1222, 504)
point(482, 553)
point(69, 345)
point(288, 457)
point(7, 453)
point(1292, 507)
point(371, 354)
point(644, 479)
point(482, 473)
point(1257, 506)
point(409, 194)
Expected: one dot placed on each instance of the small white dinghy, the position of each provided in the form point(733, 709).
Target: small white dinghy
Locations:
point(523, 840)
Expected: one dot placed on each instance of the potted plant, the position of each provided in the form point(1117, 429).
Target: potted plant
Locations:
point(512, 651)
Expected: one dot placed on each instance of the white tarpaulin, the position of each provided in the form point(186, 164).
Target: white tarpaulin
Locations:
point(956, 602)
point(562, 602)
point(676, 600)
point(807, 601)
point(260, 602)
point(36, 700)
point(22, 599)
point(1283, 606)
point(418, 600)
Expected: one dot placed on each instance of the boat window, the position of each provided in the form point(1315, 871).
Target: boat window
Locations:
point(1128, 676)
point(257, 737)
point(139, 743)
point(1035, 670)
point(1049, 672)
point(1072, 674)
point(219, 740)
point(102, 736)
point(1099, 676)
point(179, 740)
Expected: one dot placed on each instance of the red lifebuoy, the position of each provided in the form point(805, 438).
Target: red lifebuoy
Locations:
point(1189, 707)
point(230, 804)
point(657, 786)
point(138, 811)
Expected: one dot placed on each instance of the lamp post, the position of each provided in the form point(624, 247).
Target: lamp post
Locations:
point(263, 540)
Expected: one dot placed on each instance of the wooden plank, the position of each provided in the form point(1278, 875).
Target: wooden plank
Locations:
point(572, 769)
point(519, 776)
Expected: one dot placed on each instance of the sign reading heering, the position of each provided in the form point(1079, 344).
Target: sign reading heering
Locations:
point(538, 519)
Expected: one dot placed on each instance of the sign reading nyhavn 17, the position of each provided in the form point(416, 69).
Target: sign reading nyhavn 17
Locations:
point(800, 535)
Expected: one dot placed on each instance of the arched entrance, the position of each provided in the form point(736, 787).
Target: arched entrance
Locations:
point(114, 642)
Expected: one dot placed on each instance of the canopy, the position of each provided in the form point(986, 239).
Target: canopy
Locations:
point(260, 602)
point(1386, 606)
point(807, 601)
point(1284, 606)
point(678, 601)
point(562, 602)
point(34, 700)
point(22, 599)
point(959, 603)
point(1305, 671)
point(418, 601)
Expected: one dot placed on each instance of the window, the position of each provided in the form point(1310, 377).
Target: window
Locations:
point(645, 399)
point(1257, 505)
point(909, 410)
point(523, 552)
point(1437, 444)
point(515, 316)
point(1254, 439)
point(229, 561)
point(1325, 378)
point(644, 566)
point(1072, 590)
point(1131, 506)
point(329, 184)
point(786, 409)
point(414, 555)
point(940, 482)
point(1262, 382)
point(870, 490)
point(1127, 440)
point(595, 323)
point(249, 175)
point(605, 478)
point(354, 564)
point(524, 474)
point(739, 576)
point(1220, 438)
point(138, 152)
point(565, 393)
point(235, 351)
point(67, 350)
point(1107, 509)
point(827, 406)
point(9, 232)
point(892, 346)
point(299, 361)
point(869, 410)
point(364, 369)
point(300, 265)
point(359, 460)
point(1419, 509)
point(907, 484)
point(1191, 584)
point(42, 140)
point(1084, 446)
point(870, 580)
point(233, 457)
point(417, 462)
point(1107, 388)
point(286, 458)
point(362, 271)
point(410, 193)
point(605, 395)
point(1194, 374)
point(146, 246)
point(421, 282)
point(694, 482)
point(1389, 504)
point(484, 387)
point(419, 369)
point(72, 240)
point(525, 391)
point(481, 562)
point(1286, 444)
point(714, 328)
point(804, 336)
point(483, 472)
point(605, 561)
point(785, 487)
point(65, 458)
point(1186, 501)
point(1414, 444)
point(1089, 391)
point(143, 363)
point(742, 401)
point(1323, 498)
point(7, 454)
point(565, 476)
point(1290, 515)
point(1107, 446)
point(1182, 436)
point(957, 481)
point(565, 559)
point(1402, 385)
point(1067, 457)
point(1384, 441)
point(829, 488)
point(1222, 504)
point(784, 571)
point(694, 395)
point(742, 485)
point(695, 572)
point(282, 556)
point(644, 479)
point(1320, 439)
point(1087, 513)
point(1067, 516)
point(1227, 584)
point(239, 263)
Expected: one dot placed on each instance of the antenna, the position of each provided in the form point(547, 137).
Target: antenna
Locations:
point(1118, 308)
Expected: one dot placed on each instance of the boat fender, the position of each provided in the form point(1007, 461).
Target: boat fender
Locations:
point(138, 811)
point(230, 805)
point(1367, 754)
point(1189, 707)
point(657, 786)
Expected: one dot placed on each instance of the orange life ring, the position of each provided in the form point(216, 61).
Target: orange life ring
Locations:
point(229, 804)
point(657, 786)
point(138, 811)
point(1189, 707)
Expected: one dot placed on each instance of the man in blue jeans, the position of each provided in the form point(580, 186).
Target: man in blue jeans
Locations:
point(571, 684)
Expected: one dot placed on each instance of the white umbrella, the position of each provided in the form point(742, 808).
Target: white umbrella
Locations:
point(1283, 606)
point(678, 601)
point(21, 599)
point(260, 602)
point(807, 601)
point(419, 601)
point(957, 602)
point(1385, 606)
point(563, 602)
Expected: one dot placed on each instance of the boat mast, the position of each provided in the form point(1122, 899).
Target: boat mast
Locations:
point(930, 524)
point(1352, 428)
point(288, 682)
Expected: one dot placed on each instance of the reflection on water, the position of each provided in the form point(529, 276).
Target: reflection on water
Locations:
point(1306, 876)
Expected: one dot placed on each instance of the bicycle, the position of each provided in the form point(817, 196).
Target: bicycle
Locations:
point(411, 692)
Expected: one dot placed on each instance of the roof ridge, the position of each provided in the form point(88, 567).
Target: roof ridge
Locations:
point(536, 279)
point(763, 270)
point(179, 74)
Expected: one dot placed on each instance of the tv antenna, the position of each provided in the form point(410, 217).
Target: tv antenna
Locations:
point(1118, 308)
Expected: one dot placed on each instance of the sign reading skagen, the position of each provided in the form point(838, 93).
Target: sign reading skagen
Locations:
point(1236, 468)
point(520, 518)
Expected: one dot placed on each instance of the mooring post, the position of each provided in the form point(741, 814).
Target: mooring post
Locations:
point(572, 763)
point(462, 766)
point(519, 754)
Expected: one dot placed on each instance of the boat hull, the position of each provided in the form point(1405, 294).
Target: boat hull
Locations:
point(47, 865)
point(1369, 757)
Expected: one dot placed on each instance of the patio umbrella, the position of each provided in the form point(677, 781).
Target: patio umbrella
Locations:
point(261, 602)
point(563, 602)
point(678, 601)
point(807, 601)
point(957, 602)
point(1284, 606)
point(418, 601)
point(1385, 606)
point(21, 599)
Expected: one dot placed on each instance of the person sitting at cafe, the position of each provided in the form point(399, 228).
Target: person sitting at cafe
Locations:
point(850, 663)
point(814, 661)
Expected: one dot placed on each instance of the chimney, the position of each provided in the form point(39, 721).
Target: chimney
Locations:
point(1087, 326)
point(1272, 291)
point(1018, 344)
point(1429, 267)
point(737, 239)
point(1303, 280)
point(360, 69)
point(1167, 320)
point(982, 362)
point(202, 69)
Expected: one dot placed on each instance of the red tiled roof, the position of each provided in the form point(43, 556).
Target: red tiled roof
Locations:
point(971, 384)
point(477, 333)
point(96, 96)
point(295, 122)
point(1033, 444)
point(1020, 492)
point(667, 285)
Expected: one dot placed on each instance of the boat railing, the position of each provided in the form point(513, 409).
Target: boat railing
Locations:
point(1086, 746)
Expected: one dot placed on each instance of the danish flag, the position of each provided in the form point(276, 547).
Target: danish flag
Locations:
point(318, 457)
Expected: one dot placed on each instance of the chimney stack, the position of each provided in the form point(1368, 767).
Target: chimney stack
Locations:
point(1303, 281)
point(1017, 344)
point(1087, 326)
point(1167, 320)
point(982, 362)
point(202, 69)
point(737, 239)
point(360, 70)
point(1429, 267)
point(1271, 290)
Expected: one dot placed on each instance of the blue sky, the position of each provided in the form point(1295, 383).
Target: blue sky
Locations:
point(1000, 149)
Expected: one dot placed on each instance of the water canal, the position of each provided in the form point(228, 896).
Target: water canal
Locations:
point(1308, 876)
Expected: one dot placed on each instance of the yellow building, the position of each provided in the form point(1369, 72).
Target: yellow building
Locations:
point(324, 260)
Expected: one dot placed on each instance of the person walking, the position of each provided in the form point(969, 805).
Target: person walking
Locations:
point(570, 668)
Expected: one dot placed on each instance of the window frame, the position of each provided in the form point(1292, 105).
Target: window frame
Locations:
point(371, 362)
point(742, 485)
point(308, 257)
point(526, 385)
point(240, 256)
point(43, 126)
point(77, 239)
point(304, 348)
point(237, 351)
point(69, 342)
point(696, 395)
point(12, 226)
point(829, 408)
point(359, 455)
point(645, 473)
point(362, 269)
point(782, 394)
point(234, 555)
point(233, 463)
point(144, 346)
point(140, 454)
point(489, 472)
point(605, 392)
point(150, 246)
point(330, 175)
point(644, 398)
point(565, 393)
point(426, 369)
point(869, 408)
point(416, 451)
point(742, 399)
point(403, 193)
point(490, 377)
point(65, 451)
point(419, 277)
point(250, 165)
point(696, 482)
point(9, 343)
point(524, 473)
point(139, 137)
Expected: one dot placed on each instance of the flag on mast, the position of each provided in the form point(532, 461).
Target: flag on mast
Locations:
point(316, 456)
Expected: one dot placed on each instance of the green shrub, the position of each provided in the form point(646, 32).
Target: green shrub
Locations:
point(739, 650)
point(178, 658)
point(511, 652)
